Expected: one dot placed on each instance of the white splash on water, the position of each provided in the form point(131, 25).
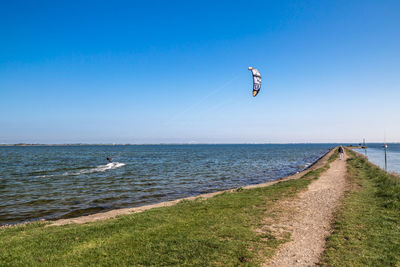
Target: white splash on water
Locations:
point(100, 168)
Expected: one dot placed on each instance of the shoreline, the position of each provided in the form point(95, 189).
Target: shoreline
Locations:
point(159, 144)
point(125, 211)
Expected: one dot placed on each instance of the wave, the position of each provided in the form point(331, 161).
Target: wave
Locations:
point(100, 168)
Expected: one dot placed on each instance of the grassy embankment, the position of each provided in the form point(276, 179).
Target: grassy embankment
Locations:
point(367, 227)
point(217, 231)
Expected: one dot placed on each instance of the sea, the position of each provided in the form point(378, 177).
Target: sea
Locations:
point(376, 154)
point(52, 182)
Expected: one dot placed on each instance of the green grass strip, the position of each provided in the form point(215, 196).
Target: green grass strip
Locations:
point(219, 231)
point(367, 227)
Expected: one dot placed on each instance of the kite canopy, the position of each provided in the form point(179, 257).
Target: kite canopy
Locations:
point(256, 80)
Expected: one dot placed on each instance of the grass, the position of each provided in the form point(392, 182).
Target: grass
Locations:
point(367, 227)
point(334, 156)
point(219, 231)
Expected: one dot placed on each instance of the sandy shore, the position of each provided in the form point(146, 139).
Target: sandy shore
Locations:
point(125, 211)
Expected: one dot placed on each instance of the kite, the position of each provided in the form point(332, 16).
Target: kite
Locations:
point(256, 80)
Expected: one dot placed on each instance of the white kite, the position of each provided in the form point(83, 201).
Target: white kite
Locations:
point(256, 80)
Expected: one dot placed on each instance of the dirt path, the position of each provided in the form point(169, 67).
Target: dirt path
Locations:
point(309, 218)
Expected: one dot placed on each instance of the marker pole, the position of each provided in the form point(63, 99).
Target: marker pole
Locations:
point(385, 157)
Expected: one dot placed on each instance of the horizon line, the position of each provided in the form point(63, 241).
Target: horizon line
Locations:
point(184, 143)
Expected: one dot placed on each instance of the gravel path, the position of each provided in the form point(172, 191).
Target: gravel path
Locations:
point(309, 218)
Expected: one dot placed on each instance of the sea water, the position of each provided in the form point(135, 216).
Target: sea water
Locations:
point(376, 154)
point(51, 182)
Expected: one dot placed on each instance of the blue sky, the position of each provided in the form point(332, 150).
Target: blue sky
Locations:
point(176, 71)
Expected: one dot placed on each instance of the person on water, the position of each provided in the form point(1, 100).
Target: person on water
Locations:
point(340, 150)
point(109, 160)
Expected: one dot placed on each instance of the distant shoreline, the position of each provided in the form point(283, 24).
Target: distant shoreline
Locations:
point(162, 144)
point(158, 144)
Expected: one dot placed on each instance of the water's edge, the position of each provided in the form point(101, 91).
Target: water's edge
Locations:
point(321, 161)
